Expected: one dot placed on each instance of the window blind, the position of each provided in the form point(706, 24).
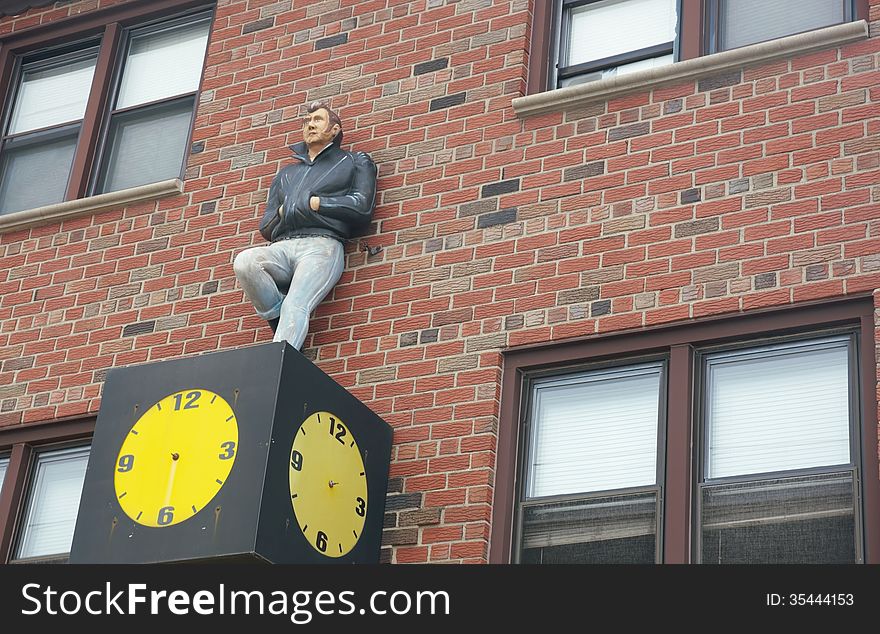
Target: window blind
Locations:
point(594, 431)
point(147, 145)
point(164, 64)
point(24, 158)
point(612, 27)
point(749, 21)
point(778, 408)
point(49, 96)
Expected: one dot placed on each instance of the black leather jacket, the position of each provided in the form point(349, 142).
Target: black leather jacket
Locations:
point(345, 183)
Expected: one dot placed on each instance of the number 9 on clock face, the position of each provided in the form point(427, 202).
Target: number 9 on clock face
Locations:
point(328, 484)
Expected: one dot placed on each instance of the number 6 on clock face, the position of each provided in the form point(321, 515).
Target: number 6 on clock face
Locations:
point(328, 484)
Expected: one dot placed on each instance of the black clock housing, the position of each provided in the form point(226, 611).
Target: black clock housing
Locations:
point(272, 389)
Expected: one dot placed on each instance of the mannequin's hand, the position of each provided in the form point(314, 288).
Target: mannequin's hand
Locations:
point(315, 203)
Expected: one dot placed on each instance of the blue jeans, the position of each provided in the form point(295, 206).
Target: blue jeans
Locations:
point(287, 279)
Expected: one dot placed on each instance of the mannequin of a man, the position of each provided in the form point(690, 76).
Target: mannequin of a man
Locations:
point(314, 205)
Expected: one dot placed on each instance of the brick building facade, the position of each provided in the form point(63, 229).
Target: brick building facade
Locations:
point(734, 188)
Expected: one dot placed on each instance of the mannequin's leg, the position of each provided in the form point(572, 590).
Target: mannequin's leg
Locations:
point(260, 271)
point(318, 266)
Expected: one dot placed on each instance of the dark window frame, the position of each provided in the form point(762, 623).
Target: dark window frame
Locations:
point(681, 343)
point(110, 28)
point(21, 445)
point(694, 37)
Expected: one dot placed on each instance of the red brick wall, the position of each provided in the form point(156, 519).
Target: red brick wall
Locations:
point(746, 190)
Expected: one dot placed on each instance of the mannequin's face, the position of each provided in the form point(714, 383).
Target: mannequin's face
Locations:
point(317, 131)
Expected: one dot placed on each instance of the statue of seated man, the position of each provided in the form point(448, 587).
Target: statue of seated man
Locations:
point(314, 205)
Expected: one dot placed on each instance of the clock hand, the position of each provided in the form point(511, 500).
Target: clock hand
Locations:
point(174, 458)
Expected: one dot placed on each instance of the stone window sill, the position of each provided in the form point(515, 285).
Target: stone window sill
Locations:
point(82, 206)
point(573, 97)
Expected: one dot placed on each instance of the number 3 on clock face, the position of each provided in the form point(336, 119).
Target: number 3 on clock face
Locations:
point(328, 484)
point(176, 457)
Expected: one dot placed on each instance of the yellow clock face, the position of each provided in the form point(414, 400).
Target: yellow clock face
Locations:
point(328, 484)
point(176, 457)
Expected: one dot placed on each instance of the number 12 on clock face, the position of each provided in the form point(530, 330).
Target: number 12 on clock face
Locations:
point(328, 484)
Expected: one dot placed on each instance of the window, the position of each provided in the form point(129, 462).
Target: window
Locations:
point(41, 136)
point(41, 478)
point(746, 440)
point(111, 110)
point(591, 472)
point(597, 39)
point(779, 482)
point(593, 46)
point(152, 116)
point(52, 503)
